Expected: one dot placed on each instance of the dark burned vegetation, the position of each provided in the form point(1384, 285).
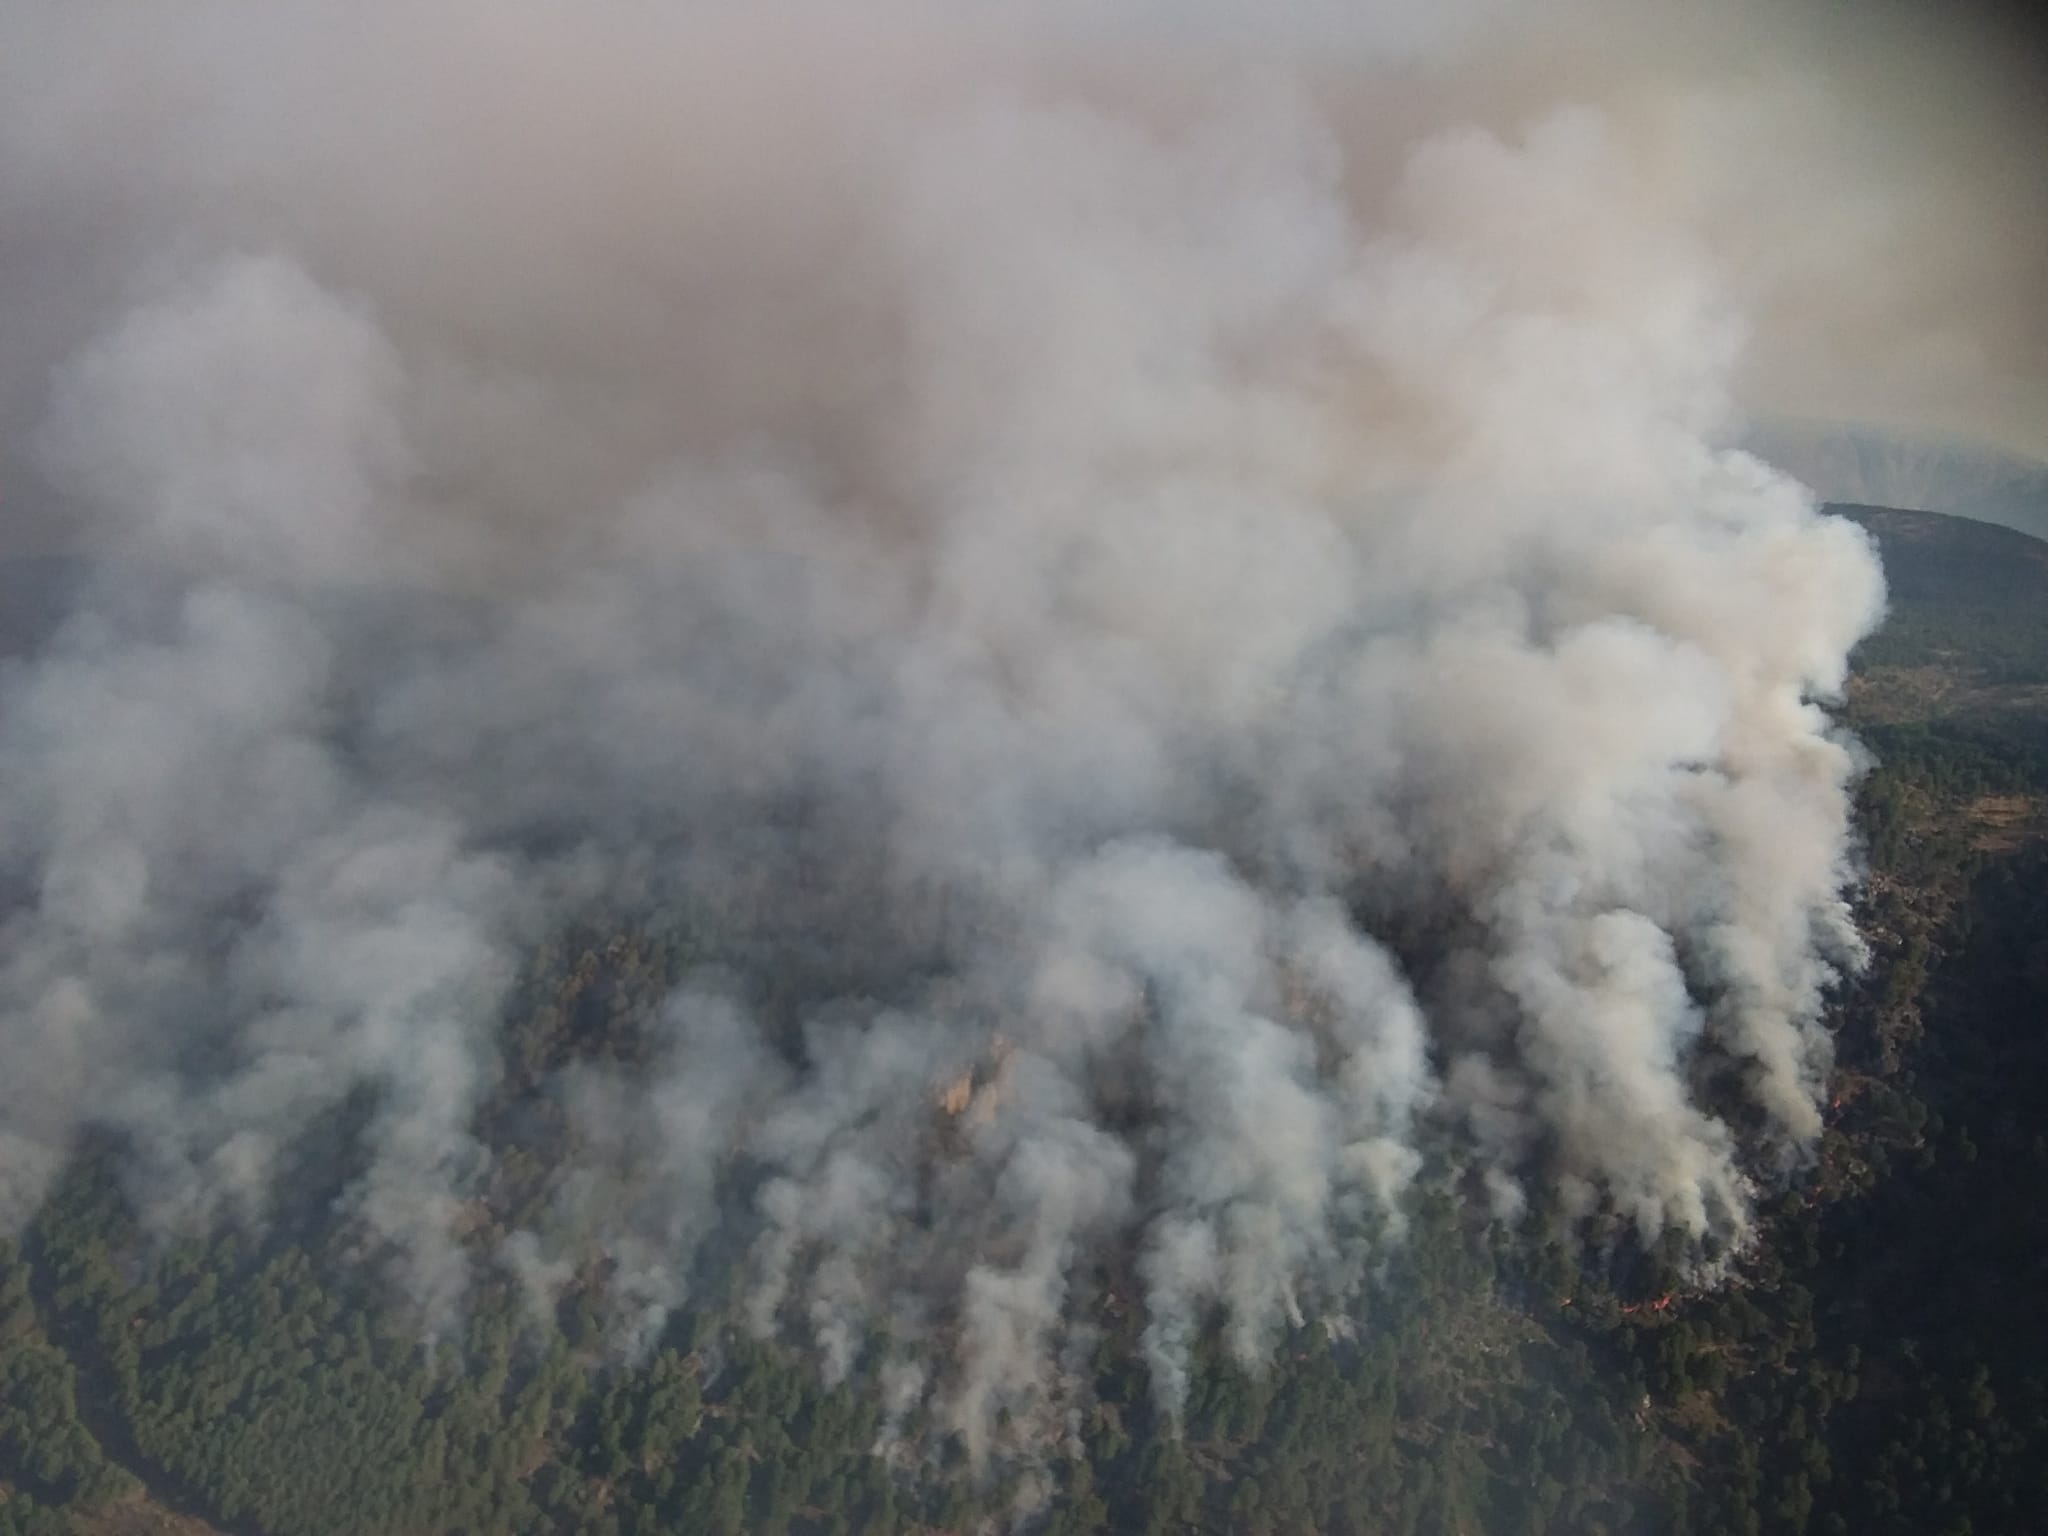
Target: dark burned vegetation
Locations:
point(1876, 1364)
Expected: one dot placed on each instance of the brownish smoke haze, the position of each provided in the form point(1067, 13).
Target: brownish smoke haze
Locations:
point(1187, 564)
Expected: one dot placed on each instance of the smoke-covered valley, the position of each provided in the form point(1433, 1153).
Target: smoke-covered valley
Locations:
point(1173, 614)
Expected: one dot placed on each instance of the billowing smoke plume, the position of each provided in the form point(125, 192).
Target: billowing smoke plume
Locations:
point(1164, 606)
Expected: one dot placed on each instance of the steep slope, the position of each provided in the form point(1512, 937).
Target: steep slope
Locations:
point(1966, 640)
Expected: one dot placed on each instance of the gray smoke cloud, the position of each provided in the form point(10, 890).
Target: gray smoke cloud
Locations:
point(1170, 600)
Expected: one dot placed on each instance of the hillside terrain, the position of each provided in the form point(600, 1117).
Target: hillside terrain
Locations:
point(1877, 1364)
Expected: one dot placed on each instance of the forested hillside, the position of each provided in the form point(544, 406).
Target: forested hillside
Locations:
point(1877, 1364)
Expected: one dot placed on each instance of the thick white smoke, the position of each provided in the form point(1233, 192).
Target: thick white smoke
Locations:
point(1170, 625)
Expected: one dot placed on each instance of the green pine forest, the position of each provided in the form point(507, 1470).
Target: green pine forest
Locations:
point(1878, 1365)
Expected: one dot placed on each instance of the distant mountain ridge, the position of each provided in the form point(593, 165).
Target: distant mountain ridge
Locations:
point(1873, 467)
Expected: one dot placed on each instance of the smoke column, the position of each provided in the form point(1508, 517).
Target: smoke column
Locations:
point(1167, 598)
